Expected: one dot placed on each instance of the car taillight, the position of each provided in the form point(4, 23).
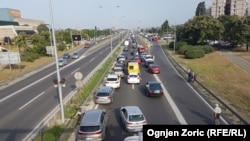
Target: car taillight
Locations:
point(144, 122)
point(88, 133)
point(129, 123)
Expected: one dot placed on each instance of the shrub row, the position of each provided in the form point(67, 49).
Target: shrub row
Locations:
point(190, 51)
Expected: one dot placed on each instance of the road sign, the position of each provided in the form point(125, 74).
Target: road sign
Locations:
point(78, 75)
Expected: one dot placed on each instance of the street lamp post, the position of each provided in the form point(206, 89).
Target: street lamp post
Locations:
point(110, 30)
point(174, 37)
point(59, 81)
point(51, 44)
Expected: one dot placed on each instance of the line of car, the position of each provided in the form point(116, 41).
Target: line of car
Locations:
point(66, 56)
point(93, 122)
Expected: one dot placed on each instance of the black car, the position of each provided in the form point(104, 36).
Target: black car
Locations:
point(66, 56)
point(154, 88)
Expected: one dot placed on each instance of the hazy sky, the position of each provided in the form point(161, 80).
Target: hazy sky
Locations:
point(106, 13)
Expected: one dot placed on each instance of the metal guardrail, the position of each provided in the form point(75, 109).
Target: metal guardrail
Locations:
point(57, 109)
point(229, 114)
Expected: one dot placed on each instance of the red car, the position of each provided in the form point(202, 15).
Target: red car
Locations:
point(154, 69)
point(137, 59)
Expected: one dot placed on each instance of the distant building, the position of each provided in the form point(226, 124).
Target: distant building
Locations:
point(229, 7)
point(11, 23)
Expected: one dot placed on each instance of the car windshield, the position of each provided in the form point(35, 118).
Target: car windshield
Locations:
point(136, 117)
point(89, 128)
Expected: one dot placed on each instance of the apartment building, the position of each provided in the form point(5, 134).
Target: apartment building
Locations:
point(229, 7)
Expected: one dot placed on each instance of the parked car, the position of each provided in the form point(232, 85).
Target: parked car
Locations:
point(104, 95)
point(153, 88)
point(92, 125)
point(66, 56)
point(75, 55)
point(133, 78)
point(154, 68)
point(62, 62)
point(112, 80)
point(132, 118)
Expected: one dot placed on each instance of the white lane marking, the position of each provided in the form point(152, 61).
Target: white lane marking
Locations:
point(177, 112)
point(75, 71)
point(16, 92)
point(133, 86)
point(31, 101)
point(92, 59)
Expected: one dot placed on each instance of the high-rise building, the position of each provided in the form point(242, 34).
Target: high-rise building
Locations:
point(229, 7)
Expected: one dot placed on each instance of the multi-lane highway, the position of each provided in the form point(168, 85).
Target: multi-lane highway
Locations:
point(180, 104)
point(25, 103)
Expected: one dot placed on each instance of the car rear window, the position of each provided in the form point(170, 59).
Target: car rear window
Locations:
point(102, 94)
point(89, 128)
point(136, 117)
point(155, 86)
point(111, 79)
point(133, 76)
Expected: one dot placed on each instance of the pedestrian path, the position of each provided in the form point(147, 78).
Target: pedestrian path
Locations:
point(245, 65)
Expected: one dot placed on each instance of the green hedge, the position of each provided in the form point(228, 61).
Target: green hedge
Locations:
point(194, 53)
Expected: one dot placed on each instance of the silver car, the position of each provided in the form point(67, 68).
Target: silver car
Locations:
point(75, 55)
point(93, 126)
point(62, 62)
point(104, 95)
point(118, 71)
point(132, 118)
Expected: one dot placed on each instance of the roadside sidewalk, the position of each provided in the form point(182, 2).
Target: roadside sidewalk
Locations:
point(245, 65)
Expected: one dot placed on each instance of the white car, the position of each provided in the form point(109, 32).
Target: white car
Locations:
point(112, 80)
point(133, 78)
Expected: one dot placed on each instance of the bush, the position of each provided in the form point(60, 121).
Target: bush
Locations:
point(178, 45)
point(194, 53)
point(61, 47)
point(29, 56)
point(182, 50)
point(207, 49)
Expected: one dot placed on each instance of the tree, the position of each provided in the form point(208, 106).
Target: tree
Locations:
point(202, 28)
point(246, 22)
point(201, 9)
point(20, 41)
point(230, 24)
point(165, 27)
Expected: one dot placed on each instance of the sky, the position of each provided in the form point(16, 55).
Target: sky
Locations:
point(88, 14)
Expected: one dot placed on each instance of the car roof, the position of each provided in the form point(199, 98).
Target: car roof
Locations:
point(91, 117)
point(104, 89)
point(133, 110)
